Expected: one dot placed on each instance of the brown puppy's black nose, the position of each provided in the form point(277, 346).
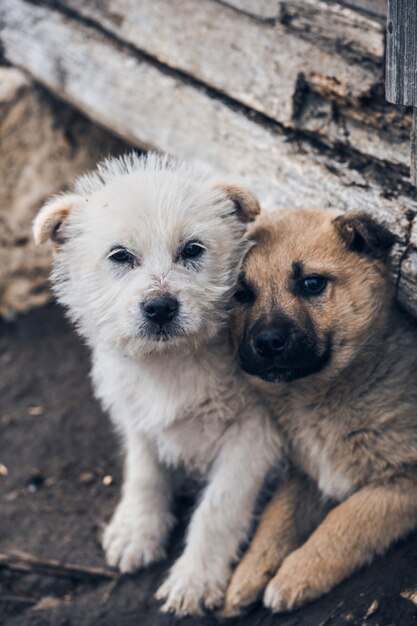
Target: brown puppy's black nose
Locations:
point(160, 310)
point(269, 343)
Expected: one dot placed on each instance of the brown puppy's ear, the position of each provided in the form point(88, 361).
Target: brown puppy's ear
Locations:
point(362, 234)
point(246, 205)
point(49, 223)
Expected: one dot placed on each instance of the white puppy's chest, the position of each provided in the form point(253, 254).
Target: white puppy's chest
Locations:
point(182, 406)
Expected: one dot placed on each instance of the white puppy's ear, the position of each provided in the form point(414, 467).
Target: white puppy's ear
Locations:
point(50, 221)
point(246, 204)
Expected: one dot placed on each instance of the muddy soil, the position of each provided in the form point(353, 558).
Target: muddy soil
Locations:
point(60, 479)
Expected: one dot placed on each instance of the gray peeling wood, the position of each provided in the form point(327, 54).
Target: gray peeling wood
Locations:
point(263, 9)
point(257, 64)
point(337, 27)
point(270, 9)
point(376, 7)
point(274, 69)
point(150, 107)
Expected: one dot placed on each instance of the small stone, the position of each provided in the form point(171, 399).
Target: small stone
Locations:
point(107, 480)
point(48, 602)
point(410, 594)
point(372, 609)
point(86, 478)
point(3, 470)
point(35, 411)
point(11, 496)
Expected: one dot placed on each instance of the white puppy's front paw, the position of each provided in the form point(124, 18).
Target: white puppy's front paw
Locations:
point(135, 539)
point(191, 591)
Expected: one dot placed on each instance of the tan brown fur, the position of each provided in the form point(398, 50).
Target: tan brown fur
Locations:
point(350, 428)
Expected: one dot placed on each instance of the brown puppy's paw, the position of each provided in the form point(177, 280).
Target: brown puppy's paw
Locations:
point(293, 586)
point(246, 587)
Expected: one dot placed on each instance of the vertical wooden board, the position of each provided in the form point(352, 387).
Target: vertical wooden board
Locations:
point(413, 164)
point(401, 55)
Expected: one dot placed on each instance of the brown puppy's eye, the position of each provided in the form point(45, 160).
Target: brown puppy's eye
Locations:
point(313, 285)
point(244, 294)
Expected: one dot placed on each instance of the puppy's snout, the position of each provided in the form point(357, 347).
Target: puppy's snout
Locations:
point(270, 342)
point(160, 310)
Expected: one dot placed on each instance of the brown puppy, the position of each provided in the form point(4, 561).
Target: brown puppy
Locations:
point(319, 334)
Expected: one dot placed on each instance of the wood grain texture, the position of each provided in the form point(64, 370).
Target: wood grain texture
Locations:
point(341, 28)
point(413, 164)
point(270, 9)
point(263, 9)
point(401, 57)
point(153, 108)
point(256, 64)
point(376, 7)
point(299, 73)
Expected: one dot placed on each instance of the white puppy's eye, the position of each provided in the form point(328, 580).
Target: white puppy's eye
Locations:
point(192, 250)
point(121, 256)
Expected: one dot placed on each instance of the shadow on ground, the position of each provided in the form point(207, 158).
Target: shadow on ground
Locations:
point(58, 449)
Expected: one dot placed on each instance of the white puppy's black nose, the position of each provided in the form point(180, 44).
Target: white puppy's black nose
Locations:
point(160, 310)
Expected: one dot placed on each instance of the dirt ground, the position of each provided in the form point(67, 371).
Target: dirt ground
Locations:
point(57, 453)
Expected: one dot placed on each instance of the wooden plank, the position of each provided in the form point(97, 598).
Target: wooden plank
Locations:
point(408, 274)
point(261, 66)
point(255, 64)
point(376, 7)
point(271, 9)
point(407, 283)
point(270, 69)
point(339, 27)
point(151, 108)
point(413, 165)
point(263, 9)
point(401, 58)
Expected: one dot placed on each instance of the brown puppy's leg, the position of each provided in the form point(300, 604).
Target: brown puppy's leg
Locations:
point(289, 518)
point(351, 535)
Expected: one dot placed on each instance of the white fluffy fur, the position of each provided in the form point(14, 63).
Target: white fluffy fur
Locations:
point(177, 402)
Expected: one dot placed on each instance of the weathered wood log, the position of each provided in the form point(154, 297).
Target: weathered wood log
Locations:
point(299, 82)
point(270, 9)
point(150, 103)
point(407, 282)
point(377, 7)
point(263, 9)
point(256, 64)
point(266, 67)
point(335, 26)
point(44, 145)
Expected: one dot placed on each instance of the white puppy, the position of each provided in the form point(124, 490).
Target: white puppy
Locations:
point(148, 251)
